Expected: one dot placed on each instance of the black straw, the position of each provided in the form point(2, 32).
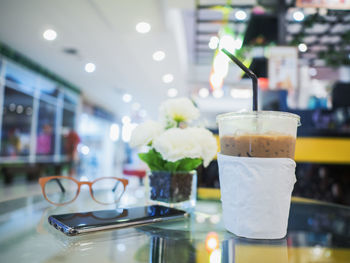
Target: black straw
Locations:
point(250, 74)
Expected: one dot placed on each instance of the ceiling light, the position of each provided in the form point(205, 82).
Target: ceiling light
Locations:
point(50, 34)
point(143, 27)
point(220, 65)
point(218, 93)
point(158, 55)
point(227, 42)
point(298, 16)
point(168, 78)
point(172, 92)
point(203, 92)
point(312, 72)
point(127, 131)
point(240, 15)
point(302, 47)
point(85, 150)
point(126, 119)
point(90, 67)
point(114, 132)
point(216, 81)
point(214, 42)
point(127, 97)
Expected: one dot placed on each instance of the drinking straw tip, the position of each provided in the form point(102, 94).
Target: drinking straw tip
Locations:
point(249, 73)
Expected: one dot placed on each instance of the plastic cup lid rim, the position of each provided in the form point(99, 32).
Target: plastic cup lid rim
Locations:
point(245, 114)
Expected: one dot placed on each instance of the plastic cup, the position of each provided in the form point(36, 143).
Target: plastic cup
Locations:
point(257, 172)
point(268, 134)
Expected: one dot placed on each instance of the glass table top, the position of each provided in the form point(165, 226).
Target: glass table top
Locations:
point(316, 233)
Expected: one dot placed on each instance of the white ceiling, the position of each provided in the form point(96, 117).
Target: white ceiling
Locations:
point(104, 33)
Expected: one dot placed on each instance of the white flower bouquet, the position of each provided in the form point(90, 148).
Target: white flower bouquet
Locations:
point(175, 150)
point(174, 146)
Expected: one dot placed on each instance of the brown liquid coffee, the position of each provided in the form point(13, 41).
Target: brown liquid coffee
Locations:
point(258, 145)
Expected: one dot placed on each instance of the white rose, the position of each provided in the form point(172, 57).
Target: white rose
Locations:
point(179, 110)
point(144, 133)
point(176, 144)
point(207, 141)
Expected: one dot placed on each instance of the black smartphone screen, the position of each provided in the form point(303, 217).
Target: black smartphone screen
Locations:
point(76, 223)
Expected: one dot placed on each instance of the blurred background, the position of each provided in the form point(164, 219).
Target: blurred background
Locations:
point(76, 77)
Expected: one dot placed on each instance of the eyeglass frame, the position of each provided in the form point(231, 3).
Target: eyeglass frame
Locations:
point(44, 180)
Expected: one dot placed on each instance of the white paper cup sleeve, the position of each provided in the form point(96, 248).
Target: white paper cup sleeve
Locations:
point(256, 195)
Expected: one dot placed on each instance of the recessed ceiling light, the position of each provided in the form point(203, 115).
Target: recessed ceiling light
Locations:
point(214, 42)
point(172, 92)
point(203, 93)
point(127, 97)
point(50, 34)
point(218, 93)
point(298, 16)
point(240, 15)
point(158, 55)
point(90, 67)
point(126, 119)
point(216, 81)
point(312, 72)
point(85, 150)
point(114, 132)
point(227, 42)
point(143, 27)
point(168, 78)
point(302, 47)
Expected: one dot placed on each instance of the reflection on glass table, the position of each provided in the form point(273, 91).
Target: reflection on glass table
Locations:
point(317, 233)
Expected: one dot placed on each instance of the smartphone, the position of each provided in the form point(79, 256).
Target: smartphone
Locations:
point(78, 223)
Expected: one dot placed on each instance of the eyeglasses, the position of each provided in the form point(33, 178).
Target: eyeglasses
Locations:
point(62, 190)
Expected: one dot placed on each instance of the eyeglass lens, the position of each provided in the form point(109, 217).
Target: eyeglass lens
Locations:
point(107, 190)
point(61, 190)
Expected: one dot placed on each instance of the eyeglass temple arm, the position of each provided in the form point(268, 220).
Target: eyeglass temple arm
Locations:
point(115, 187)
point(60, 185)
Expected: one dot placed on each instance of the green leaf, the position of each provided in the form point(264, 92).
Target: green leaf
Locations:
point(189, 164)
point(155, 162)
point(153, 159)
point(171, 166)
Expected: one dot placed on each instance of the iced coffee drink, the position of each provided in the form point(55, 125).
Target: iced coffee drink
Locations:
point(264, 134)
point(257, 172)
point(270, 145)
